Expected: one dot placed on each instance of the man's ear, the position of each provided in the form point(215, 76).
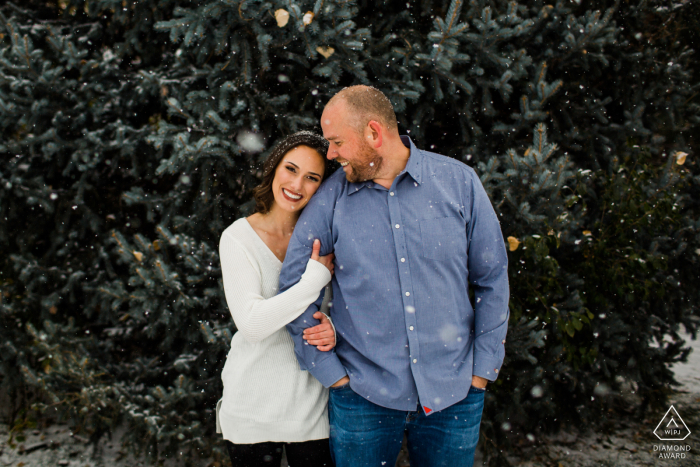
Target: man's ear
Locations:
point(375, 134)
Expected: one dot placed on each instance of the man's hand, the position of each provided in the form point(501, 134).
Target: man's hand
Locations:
point(341, 381)
point(321, 335)
point(479, 382)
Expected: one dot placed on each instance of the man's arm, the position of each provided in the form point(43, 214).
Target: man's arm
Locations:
point(314, 223)
point(488, 275)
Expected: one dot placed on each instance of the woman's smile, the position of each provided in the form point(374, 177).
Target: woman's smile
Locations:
point(291, 196)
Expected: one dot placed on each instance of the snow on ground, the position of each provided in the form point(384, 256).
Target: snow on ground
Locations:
point(626, 445)
point(58, 446)
point(688, 373)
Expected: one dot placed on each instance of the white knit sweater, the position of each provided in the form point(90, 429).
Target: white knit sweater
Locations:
point(266, 396)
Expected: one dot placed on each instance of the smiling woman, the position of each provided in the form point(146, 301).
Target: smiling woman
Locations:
point(303, 140)
point(268, 402)
point(297, 177)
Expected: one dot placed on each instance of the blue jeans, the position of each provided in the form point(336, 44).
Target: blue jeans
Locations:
point(364, 434)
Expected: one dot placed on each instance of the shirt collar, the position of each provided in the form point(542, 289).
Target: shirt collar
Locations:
point(414, 164)
point(355, 187)
point(413, 167)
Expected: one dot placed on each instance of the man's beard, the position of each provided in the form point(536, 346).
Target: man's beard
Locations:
point(367, 165)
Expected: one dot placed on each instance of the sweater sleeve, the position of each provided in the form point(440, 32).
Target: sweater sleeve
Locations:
point(256, 317)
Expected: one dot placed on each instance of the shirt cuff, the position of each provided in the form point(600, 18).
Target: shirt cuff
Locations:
point(328, 371)
point(487, 366)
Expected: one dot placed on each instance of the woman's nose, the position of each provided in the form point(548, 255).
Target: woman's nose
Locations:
point(297, 183)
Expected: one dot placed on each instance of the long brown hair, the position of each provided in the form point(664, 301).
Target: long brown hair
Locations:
point(263, 192)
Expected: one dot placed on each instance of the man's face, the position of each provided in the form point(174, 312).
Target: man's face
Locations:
point(359, 159)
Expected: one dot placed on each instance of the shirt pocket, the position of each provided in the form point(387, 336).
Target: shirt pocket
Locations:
point(442, 238)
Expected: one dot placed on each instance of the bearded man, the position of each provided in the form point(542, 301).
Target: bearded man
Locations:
point(411, 231)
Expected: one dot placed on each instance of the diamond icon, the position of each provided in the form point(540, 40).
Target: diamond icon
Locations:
point(672, 427)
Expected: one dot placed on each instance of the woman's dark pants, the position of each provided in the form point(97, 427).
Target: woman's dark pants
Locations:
point(314, 453)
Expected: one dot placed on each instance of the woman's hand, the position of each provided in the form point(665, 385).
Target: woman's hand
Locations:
point(321, 335)
point(327, 260)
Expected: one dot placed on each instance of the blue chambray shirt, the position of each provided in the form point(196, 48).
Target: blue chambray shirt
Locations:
point(404, 260)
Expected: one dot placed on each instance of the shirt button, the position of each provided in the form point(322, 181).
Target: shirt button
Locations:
point(415, 360)
point(408, 294)
point(391, 193)
point(410, 328)
point(403, 260)
point(397, 226)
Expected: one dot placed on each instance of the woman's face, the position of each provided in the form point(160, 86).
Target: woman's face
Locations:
point(297, 178)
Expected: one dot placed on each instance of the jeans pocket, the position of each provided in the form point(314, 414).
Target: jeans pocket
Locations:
point(475, 389)
point(340, 388)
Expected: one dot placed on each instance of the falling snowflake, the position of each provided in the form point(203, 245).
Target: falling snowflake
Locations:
point(250, 142)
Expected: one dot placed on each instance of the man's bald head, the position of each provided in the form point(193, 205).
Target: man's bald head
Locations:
point(365, 103)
